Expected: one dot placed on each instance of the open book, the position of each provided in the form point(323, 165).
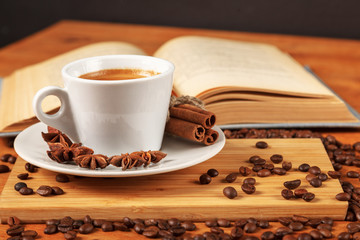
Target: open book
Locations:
point(242, 83)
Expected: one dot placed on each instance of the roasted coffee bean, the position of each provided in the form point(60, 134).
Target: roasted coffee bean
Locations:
point(236, 233)
point(248, 188)
point(253, 158)
point(12, 159)
point(166, 234)
point(326, 233)
point(259, 161)
point(26, 191)
point(282, 231)
point(5, 157)
point(151, 222)
point(337, 166)
point(314, 170)
point(107, 226)
point(299, 193)
point(344, 236)
point(310, 177)
point(299, 218)
point(287, 166)
point(316, 182)
point(29, 233)
point(212, 172)
point(352, 174)
point(30, 168)
point(138, 220)
point(315, 234)
point(121, 227)
point(77, 224)
point(67, 221)
point(223, 222)
point(343, 196)
point(261, 145)
point(284, 220)
point(139, 228)
point(231, 177)
point(250, 238)
point(230, 192)
point(163, 224)
point(211, 236)
point(241, 223)
point(128, 222)
point(57, 191)
point(44, 190)
point(264, 173)
point(304, 236)
point(11, 221)
point(27, 238)
point(308, 196)
point(188, 225)
point(151, 232)
point(251, 181)
point(52, 222)
point(292, 184)
point(353, 227)
point(257, 168)
point(314, 222)
point(87, 219)
point(296, 226)
point(23, 176)
point(4, 168)
point(327, 220)
point(64, 228)
point(174, 222)
point(19, 185)
point(268, 235)
point(216, 230)
point(62, 178)
point(211, 223)
point(304, 167)
point(276, 158)
point(250, 228)
point(268, 166)
point(50, 229)
point(323, 177)
point(70, 235)
point(264, 224)
point(334, 174)
point(244, 171)
point(252, 220)
point(15, 230)
point(289, 237)
point(279, 171)
point(205, 179)
point(287, 194)
point(324, 226)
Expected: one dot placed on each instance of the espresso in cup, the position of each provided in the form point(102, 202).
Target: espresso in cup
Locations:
point(119, 74)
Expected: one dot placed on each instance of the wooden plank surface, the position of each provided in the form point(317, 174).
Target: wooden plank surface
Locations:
point(179, 194)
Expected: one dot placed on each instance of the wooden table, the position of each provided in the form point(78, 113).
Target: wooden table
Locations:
point(336, 61)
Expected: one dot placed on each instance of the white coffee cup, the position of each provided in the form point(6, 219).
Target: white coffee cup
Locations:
point(111, 116)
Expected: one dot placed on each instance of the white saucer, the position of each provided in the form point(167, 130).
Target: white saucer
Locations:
point(180, 154)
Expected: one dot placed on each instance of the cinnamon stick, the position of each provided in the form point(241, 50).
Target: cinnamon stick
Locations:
point(193, 114)
point(210, 136)
point(185, 129)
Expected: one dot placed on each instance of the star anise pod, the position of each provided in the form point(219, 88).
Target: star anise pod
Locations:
point(92, 161)
point(126, 161)
point(63, 153)
point(152, 157)
point(56, 136)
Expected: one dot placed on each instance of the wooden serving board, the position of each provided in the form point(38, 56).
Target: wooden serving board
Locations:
point(179, 194)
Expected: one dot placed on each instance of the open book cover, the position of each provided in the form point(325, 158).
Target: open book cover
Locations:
point(245, 84)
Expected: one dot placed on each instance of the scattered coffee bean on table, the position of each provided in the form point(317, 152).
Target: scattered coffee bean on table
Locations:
point(230, 192)
point(304, 167)
point(4, 168)
point(264, 173)
point(231, 177)
point(334, 174)
point(279, 171)
point(276, 158)
point(70, 235)
point(13, 221)
point(268, 235)
point(205, 179)
point(57, 190)
point(315, 182)
point(310, 177)
point(15, 230)
point(299, 193)
point(63, 178)
point(308, 196)
point(292, 184)
point(261, 145)
point(323, 177)
point(343, 196)
point(30, 168)
point(44, 190)
point(352, 174)
point(287, 166)
point(50, 229)
point(244, 171)
point(287, 194)
point(19, 185)
point(250, 228)
point(212, 172)
point(296, 226)
point(12, 159)
point(251, 181)
point(314, 170)
point(23, 176)
point(29, 233)
point(248, 188)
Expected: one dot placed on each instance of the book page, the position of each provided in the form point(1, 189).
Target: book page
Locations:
point(19, 88)
point(203, 63)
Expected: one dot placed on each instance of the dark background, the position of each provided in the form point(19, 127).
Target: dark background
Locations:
point(326, 18)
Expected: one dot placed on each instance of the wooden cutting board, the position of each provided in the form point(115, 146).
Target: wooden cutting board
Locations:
point(179, 194)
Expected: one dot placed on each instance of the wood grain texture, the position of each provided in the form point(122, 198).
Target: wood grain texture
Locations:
point(179, 194)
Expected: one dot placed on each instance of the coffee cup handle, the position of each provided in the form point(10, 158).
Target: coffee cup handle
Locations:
point(63, 119)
